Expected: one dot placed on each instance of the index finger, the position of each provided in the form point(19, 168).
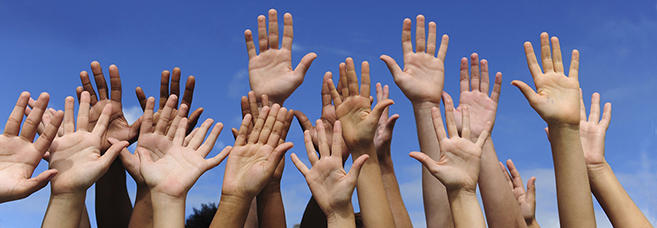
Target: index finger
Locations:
point(115, 82)
point(13, 125)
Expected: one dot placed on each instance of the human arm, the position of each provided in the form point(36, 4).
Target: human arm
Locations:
point(422, 81)
point(526, 198)
point(76, 155)
point(251, 165)
point(557, 102)
point(617, 204)
point(113, 206)
point(382, 141)
point(19, 155)
point(270, 71)
point(359, 126)
point(332, 187)
point(499, 203)
point(459, 165)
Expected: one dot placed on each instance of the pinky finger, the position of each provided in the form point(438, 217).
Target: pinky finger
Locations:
point(216, 160)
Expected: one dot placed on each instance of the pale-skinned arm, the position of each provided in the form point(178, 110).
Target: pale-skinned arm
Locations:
point(422, 81)
point(557, 102)
point(526, 198)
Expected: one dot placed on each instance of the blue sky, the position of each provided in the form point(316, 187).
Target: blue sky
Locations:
point(45, 44)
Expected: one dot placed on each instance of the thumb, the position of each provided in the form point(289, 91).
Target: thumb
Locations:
point(32, 185)
point(356, 167)
point(392, 65)
point(379, 108)
point(304, 64)
point(390, 125)
point(529, 93)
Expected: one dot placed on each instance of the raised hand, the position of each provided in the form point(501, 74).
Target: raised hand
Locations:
point(423, 76)
point(328, 116)
point(19, 155)
point(331, 186)
point(474, 94)
point(592, 132)
point(458, 166)
point(77, 154)
point(526, 198)
point(175, 90)
point(556, 97)
point(270, 72)
point(354, 111)
point(383, 135)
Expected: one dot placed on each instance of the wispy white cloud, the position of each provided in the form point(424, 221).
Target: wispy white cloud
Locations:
point(132, 113)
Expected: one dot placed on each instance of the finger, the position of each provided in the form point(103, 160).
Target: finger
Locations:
point(197, 140)
point(431, 40)
point(208, 145)
point(515, 175)
point(474, 72)
point(276, 156)
point(390, 125)
point(582, 107)
point(443, 48)
point(277, 129)
point(392, 65)
point(69, 113)
point(288, 31)
point(574, 65)
point(83, 111)
point(111, 154)
point(344, 80)
point(241, 136)
point(335, 96)
point(484, 134)
point(250, 46)
point(532, 63)
point(86, 84)
point(147, 120)
point(338, 142)
point(529, 93)
point(352, 78)
point(377, 111)
point(324, 150)
point(259, 123)
point(179, 137)
point(354, 172)
point(606, 116)
point(304, 122)
point(13, 125)
point(420, 42)
point(506, 175)
point(449, 116)
point(465, 117)
point(262, 33)
point(429, 163)
point(173, 127)
point(556, 52)
point(485, 80)
point(270, 122)
point(497, 88)
point(326, 94)
point(188, 96)
point(191, 135)
point(103, 121)
point(45, 139)
point(273, 29)
point(253, 104)
point(594, 116)
point(115, 82)
point(217, 159)
point(464, 78)
point(100, 80)
point(379, 92)
point(304, 64)
point(310, 147)
point(193, 118)
point(164, 88)
point(78, 91)
point(546, 55)
point(407, 44)
point(365, 79)
point(175, 84)
point(299, 164)
point(165, 116)
point(531, 190)
point(32, 185)
point(141, 97)
point(438, 124)
point(286, 125)
point(32, 121)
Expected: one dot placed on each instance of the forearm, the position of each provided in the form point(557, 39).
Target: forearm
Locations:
point(617, 204)
point(345, 218)
point(270, 206)
point(465, 209)
point(500, 204)
point(231, 212)
point(64, 210)
point(374, 205)
point(113, 207)
point(391, 186)
point(434, 193)
point(573, 191)
point(84, 219)
point(168, 211)
point(533, 224)
point(142, 214)
point(313, 216)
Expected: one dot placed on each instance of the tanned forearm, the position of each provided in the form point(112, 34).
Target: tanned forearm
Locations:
point(500, 204)
point(313, 216)
point(573, 191)
point(270, 206)
point(466, 210)
point(64, 210)
point(231, 212)
point(436, 203)
point(619, 207)
point(374, 205)
point(142, 214)
point(113, 206)
point(399, 212)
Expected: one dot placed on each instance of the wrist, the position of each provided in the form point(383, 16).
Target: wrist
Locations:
point(460, 194)
point(425, 105)
point(598, 170)
point(366, 148)
point(341, 217)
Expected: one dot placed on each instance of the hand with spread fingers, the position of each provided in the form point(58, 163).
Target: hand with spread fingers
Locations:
point(270, 72)
point(331, 186)
point(251, 164)
point(526, 198)
point(593, 131)
point(77, 157)
point(165, 92)
point(458, 166)
point(19, 155)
